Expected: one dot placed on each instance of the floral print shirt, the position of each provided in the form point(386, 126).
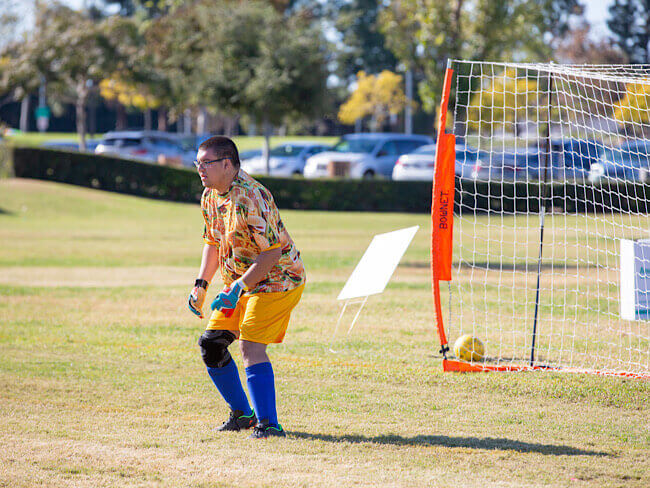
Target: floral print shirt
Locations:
point(243, 223)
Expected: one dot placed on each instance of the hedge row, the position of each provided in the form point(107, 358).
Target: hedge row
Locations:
point(6, 166)
point(569, 197)
point(183, 185)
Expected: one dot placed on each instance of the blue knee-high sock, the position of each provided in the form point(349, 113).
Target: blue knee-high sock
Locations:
point(261, 386)
point(227, 381)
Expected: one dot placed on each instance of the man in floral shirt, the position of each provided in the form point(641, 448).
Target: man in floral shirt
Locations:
point(263, 276)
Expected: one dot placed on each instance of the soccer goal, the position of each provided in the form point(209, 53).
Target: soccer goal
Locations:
point(541, 217)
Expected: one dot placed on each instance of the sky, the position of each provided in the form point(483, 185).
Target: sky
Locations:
point(596, 13)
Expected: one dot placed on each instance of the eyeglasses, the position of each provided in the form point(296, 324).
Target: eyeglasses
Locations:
point(207, 163)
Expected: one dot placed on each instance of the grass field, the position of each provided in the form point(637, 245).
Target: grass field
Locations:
point(101, 383)
point(243, 142)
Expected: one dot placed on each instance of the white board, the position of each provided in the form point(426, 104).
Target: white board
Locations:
point(635, 279)
point(378, 264)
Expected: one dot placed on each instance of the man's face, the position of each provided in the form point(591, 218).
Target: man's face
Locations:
point(215, 174)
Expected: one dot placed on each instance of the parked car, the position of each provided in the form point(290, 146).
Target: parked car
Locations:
point(420, 164)
point(148, 146)
point(249, 154)
point(629, 162)
point(503, 165)
point(417, 165)
point(286, 159)
point(364, 155)
point(570, 159)
point(466, 161)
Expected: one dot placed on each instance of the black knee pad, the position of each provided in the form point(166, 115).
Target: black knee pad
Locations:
point(214, 347)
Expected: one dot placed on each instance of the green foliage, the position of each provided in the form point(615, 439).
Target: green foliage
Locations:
point(71, 53)
point(276, 73)
point(425, 33)
point(630, 23)
point(364, 46)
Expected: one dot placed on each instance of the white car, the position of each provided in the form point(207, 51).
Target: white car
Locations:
point(363, 155)
point(284, 160)
point(416, 166)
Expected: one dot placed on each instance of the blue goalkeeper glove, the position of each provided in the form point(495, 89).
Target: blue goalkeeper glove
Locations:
point(229, 296)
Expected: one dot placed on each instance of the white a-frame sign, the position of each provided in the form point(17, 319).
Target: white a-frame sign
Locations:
point(374, 271)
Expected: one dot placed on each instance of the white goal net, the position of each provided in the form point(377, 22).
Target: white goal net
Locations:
point(552, 174)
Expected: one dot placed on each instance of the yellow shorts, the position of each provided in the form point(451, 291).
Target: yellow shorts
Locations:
point(261, 317)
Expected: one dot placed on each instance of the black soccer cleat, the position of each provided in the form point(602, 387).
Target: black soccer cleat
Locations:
point(238, 421)
point(263, 430)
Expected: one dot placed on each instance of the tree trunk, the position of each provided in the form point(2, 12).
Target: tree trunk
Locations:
point(120, 117)
point(80, 106)
point(201, 120)
point(147, 119)
point(229, 124)
point(408, 110)
point(92, 116)
point(24, 114)
point(267, 147)
point(162, 119)
point(187, 122)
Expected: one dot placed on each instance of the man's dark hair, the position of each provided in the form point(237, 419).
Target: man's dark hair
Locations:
point(222, 147)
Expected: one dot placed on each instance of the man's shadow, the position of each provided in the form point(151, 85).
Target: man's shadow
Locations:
point(488, 443)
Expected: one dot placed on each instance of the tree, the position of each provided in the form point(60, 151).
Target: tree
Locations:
point(375, 96)
point(363, 45)
point(437, 30)
point(267, 65)
point(503, 99)
point(632, 111)
point(9, 22)
point(72, 54)
point(577, 47)
point(630, 23)
point(129, 95)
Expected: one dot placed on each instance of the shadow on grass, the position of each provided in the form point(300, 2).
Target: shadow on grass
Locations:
point(5, 212)
point(488, 443)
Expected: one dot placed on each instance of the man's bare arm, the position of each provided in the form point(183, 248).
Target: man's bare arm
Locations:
point(261, 267)
point(209, 262)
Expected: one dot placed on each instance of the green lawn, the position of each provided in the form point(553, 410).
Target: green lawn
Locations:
point(101, 383)
point(243, 142)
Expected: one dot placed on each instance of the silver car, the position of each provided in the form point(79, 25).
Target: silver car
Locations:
point(286, 159)
point(364, 155)
point(148, 146)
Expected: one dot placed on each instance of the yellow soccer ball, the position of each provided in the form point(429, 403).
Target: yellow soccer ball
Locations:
point(469, 348)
